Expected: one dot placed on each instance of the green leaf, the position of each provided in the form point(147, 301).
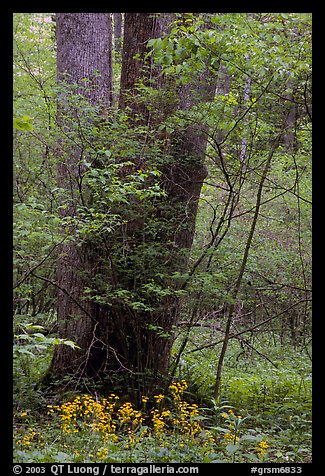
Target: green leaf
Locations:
point(231, 448)
point(62, 457)
point(249, 438)
point(25, 351)
point(23, 123)
point(219, 428)
point(71, 344)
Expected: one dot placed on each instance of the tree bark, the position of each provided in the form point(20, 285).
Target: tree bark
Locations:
point(138, 29)
point(84, 49)
point(130, 347)
point(83, 59)
point(151, 333)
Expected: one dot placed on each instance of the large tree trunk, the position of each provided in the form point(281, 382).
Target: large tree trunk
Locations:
point(139, 337)
point(84, 61)
point(125, 343)
point(138, 29)
point(144, 339)
point(84, 49)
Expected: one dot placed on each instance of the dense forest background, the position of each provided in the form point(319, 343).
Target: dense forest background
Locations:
point(162, 237)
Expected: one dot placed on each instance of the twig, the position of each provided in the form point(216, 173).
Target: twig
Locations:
point(233, 336)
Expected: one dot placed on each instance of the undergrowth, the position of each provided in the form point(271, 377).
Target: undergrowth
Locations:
point(263, 414)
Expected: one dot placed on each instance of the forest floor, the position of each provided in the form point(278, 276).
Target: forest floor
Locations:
point(263, 415)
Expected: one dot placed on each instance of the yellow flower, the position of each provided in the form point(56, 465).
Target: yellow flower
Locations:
point(209, 435)
point(261, 448)
point(263, 444)
point(23, 414)
point(158, 419)
point(102, 453)
point(231, 437)
point(159, 398)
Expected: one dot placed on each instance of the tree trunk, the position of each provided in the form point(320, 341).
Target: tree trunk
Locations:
point(140, 339)
point(150, 333)
point(84, 49)
point(138, 29)
point(117, 31)
point(125, 344)
point(83, 58)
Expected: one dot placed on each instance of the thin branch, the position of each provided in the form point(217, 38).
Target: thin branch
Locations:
point(233, 336)
point(31, 271)
point(65, 292)
point(305, 100)
point(247, 110)
point(243, 267)
point(257, 351)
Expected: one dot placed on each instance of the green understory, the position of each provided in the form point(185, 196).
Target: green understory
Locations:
point(263, 414)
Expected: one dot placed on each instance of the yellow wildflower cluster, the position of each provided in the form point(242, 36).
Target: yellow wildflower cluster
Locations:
point(261, 448)
point(233, 421)
point(159, 398)
point(32, 437)
point(103, 416)
point(177, 389)
point(185, 417)
point(159, 419)
point(85, 412)
point(182, 417)
point(185, 413)
point(167, 420)
point(127, 415)
point(102, 453)
point(113, 421)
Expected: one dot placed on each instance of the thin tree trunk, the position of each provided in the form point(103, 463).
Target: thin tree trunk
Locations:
point(242, 268)
point(117, 18)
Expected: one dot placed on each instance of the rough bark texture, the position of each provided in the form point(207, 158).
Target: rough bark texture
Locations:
point(148, 337)
point(83, 54)
point(84, 48)
point(138, 29)
point(137, 335)
point(121, 343)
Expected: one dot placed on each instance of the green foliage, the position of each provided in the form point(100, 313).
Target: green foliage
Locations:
point(167, 428)
point(32, 352)
point(254, 43)
point(23, 123)
point(261, 65)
